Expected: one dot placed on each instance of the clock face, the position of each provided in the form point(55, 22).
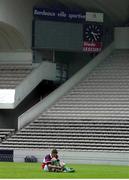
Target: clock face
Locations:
point(93, 33)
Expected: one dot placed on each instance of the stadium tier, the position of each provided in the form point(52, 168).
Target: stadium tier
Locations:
point(93, 116)
point(14, 78)
point(11, 75)
point(4, 133)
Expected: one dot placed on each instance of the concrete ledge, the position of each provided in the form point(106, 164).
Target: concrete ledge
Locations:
point(79, 157)
point(16, 57)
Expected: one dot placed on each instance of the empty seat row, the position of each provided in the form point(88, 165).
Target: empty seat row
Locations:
point(4, 133)
point(12, 74)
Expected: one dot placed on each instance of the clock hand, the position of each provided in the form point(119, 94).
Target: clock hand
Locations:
point(94, 35)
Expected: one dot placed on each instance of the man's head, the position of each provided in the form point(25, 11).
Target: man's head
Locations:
point(54, 153)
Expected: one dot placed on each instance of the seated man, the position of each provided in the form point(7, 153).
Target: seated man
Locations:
point(52, 163)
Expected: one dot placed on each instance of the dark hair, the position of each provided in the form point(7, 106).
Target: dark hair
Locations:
point(54, 151)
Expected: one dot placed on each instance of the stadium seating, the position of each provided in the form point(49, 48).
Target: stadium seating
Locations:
point(4, 133)
point(12, 74)
point(93, 116)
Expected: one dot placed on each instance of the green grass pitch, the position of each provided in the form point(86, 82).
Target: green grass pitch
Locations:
point(33, 170)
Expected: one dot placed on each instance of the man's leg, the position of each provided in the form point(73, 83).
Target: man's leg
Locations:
point(53, 168)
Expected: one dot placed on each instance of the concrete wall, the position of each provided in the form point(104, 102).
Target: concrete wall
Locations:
point(18, 14)
point(121, 36)
point(74, 157)
point(74, 60)
point(7, 119)
point(16, 57)
point(79, 61)
point(45, 71)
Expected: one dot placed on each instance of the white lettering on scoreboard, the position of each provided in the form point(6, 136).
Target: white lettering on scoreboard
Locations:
point(92, 47)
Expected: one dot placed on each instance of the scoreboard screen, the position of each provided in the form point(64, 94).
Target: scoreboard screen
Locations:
point(58, 35)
